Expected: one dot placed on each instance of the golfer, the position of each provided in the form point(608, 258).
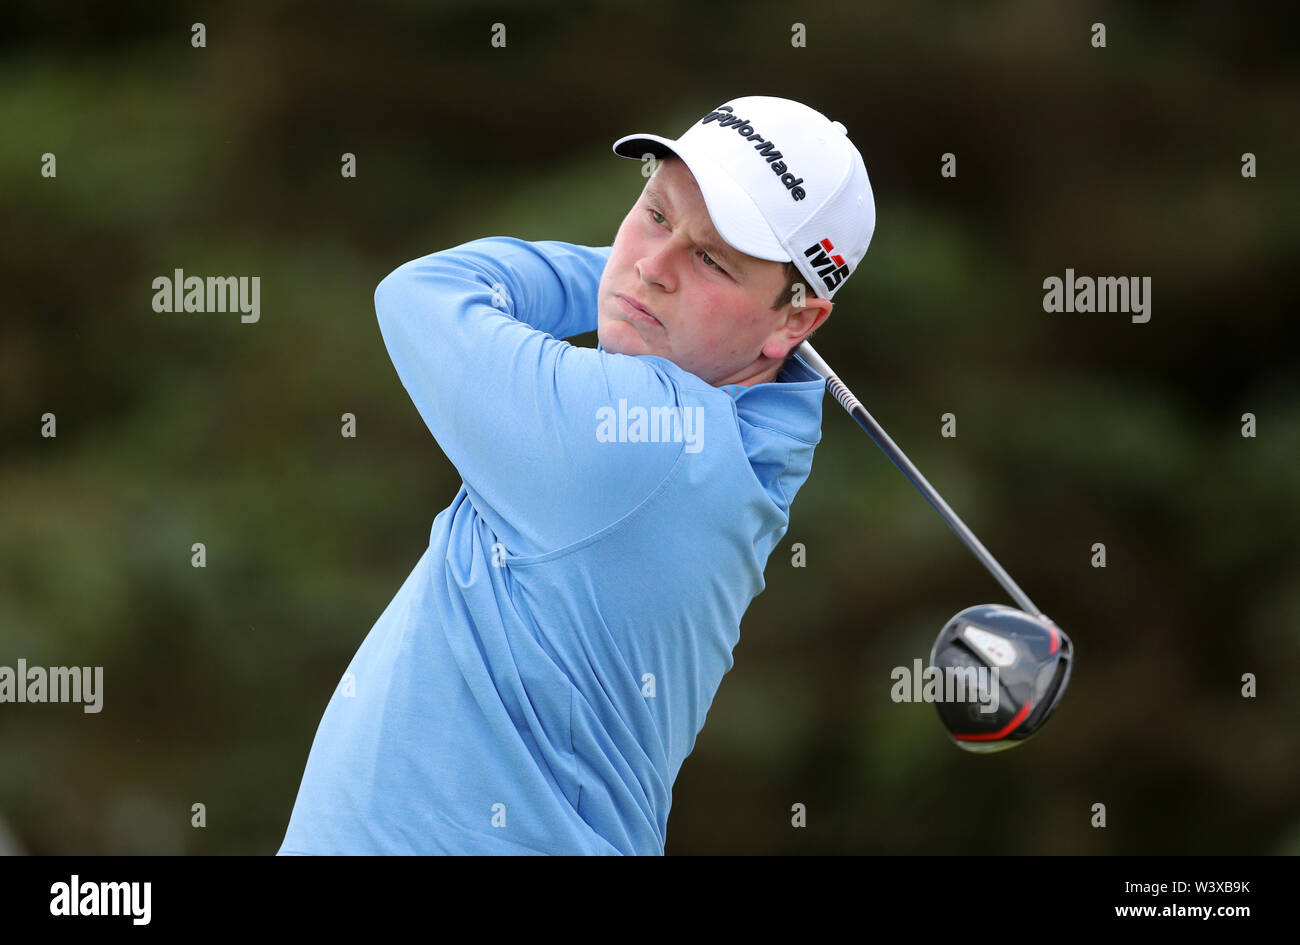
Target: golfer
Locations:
point(544, 670)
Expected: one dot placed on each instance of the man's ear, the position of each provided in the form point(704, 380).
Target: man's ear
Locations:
point(799, 324)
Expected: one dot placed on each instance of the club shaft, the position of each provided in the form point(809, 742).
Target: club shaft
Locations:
point(859, 413)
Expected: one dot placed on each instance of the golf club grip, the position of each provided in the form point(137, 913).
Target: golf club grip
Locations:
point(896, 455)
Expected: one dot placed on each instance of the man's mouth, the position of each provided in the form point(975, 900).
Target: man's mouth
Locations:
point(637, 311)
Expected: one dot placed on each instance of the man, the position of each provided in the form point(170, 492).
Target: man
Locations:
point(542, 674)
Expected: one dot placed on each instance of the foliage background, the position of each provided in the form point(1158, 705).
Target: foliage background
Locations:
point(1073, 429)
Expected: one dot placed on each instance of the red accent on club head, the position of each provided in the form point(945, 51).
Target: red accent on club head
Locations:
point(827, 245)
point(1000, 733)
point(1055, 640)
point(838, 260)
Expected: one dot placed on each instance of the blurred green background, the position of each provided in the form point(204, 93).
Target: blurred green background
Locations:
point(1072, 428)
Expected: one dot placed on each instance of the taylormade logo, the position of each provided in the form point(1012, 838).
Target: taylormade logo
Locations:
point(651, 425)
point(725, 119)
point(102, 899)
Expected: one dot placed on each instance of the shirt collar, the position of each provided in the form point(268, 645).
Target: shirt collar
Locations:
point(791, 404)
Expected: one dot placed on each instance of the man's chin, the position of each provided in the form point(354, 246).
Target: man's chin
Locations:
point(620, 338)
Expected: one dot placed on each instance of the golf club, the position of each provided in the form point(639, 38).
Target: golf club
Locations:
point(1033, 657)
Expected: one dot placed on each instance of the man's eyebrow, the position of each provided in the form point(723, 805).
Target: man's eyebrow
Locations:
point(715, 248)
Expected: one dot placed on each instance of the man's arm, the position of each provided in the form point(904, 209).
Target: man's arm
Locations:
point(470, 332)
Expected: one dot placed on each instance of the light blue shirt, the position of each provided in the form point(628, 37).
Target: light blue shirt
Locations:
point(543, 672)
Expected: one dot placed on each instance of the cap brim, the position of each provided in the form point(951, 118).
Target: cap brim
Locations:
point(638, 146)
point(733, 212)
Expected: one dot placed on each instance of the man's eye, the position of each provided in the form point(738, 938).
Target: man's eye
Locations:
point(660, 219)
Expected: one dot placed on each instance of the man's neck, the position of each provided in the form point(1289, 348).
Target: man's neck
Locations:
point(762, 371)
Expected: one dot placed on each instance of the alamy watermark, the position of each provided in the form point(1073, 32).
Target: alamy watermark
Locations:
point(182, 293)
point(56, 684)
point(637, 424)
point(947, 684)
point(1102, 294)
point(78, 898)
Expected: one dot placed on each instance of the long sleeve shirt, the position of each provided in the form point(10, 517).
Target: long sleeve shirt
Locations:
point(545, 668)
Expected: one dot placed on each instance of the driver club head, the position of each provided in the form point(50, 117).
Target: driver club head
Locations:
point(1033, 659)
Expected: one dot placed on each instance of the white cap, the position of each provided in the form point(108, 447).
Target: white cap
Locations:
point(781, 181)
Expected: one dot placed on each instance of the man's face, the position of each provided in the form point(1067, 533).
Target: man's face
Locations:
point(712, 305)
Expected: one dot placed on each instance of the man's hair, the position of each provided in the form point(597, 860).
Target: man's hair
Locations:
point(793, 277)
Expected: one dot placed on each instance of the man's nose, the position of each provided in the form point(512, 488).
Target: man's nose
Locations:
point(657, 265)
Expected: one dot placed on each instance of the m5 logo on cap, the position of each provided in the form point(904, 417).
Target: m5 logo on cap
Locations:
point(829, 264)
